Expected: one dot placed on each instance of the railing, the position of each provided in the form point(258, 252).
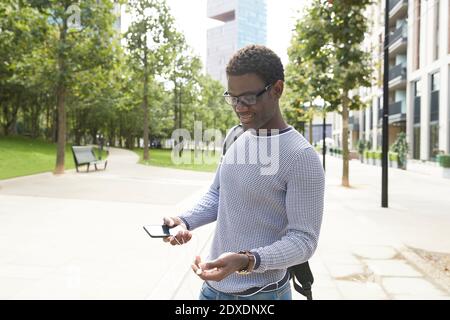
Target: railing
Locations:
point(398, 70)
point(398, 107)
point(400, 32)
point(393, 3)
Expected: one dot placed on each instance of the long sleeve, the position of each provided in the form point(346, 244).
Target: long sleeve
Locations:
point(304, 207)
point(205, 211)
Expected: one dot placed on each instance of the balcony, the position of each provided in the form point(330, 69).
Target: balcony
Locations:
point(222, 10)
point(397, 77)
point(397, 112)
point(398, 40)
point(397, 9)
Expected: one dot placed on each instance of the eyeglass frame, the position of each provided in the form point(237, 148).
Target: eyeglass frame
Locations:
point(238, 99)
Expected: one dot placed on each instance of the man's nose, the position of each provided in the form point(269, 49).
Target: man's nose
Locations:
point(240, 105)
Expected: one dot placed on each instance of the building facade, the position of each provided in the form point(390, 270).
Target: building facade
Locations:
point(244, 23)
point(419, 72)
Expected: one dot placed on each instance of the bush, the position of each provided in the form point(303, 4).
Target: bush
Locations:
point(445, 160)
point(393, 156)
point(366, 154)
point(400, 146)
point(377, 155)
point(361, 146)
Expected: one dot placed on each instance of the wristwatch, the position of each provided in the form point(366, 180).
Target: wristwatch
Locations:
point(251, 263)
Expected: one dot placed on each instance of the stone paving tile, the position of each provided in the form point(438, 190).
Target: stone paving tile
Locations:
point(345, 270)
point(392, 268)
point(375, 252)
point(360, 291)
point(410, 286)
point(11, 286)
point(420, 297)
point(25, 271)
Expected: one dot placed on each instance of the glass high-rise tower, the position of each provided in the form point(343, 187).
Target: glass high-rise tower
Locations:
point(245, 22)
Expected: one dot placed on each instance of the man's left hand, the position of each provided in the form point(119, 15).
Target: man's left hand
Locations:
point(216, 270)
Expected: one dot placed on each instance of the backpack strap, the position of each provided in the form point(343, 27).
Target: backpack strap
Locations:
point(231, 137)
point(302, 272)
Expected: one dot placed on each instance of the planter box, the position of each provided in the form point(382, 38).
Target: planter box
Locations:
point(393, 164)
point(446, 173)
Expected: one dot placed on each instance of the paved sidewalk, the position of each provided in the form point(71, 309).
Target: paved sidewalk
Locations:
point(79, 236)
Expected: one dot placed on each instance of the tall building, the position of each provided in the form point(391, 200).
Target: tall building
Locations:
point(244, 23)
point(428, 125)
point(419, 72)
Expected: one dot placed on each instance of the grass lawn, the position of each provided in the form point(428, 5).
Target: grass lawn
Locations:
point(20, 156)
point(162, 158)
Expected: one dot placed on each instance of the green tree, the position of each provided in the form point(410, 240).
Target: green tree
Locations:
point(326, 51)
point(81, 40)
point(150, 39)
point(22, 32)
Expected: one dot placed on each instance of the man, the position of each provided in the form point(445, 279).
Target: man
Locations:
point(266, 222)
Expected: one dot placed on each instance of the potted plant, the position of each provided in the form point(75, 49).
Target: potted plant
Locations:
point(377, 157)
point(370, 157)
point(444, 161)
point(366, 156)
point(400, 146)
point(361, 146)
point(393, 160)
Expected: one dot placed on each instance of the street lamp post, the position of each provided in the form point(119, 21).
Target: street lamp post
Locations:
point(385, 132)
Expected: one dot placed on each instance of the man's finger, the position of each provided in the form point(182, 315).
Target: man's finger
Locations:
point(210, 265)
point(168, 221)
point(212, 274)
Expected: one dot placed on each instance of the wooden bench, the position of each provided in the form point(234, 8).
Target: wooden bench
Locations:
point(86, 156)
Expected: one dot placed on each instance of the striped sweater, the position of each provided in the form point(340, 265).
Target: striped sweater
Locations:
point(267, 197)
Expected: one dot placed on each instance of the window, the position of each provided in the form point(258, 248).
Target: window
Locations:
point(435, 81)
point(434, 140)
point(417, 88)
point(416, 43)
point(416, 142)
point(436, 30)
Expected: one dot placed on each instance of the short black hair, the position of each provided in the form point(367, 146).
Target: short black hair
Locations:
point(259, 60)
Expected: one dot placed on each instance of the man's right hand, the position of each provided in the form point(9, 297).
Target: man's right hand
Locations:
point(183, 236)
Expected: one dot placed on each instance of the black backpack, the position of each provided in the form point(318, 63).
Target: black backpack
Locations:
point(300, 272)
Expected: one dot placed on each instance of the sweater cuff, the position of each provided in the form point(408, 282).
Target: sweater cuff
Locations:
point(186, 223)
point(257, 260)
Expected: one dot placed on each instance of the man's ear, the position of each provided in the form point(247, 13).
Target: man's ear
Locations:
point(278, 88)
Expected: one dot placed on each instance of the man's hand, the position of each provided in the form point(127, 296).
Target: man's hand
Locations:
point(183, 236)
point(226, 264)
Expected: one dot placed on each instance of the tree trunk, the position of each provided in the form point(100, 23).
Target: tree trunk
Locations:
point(175, 106)
point(310, 128)
point(145, 106)
point(345, 169)
point(60, 102)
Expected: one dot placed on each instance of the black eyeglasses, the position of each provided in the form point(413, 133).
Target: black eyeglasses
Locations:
point(248, 99)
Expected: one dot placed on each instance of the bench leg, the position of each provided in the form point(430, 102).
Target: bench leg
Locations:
point(106, 163)
point(76, 167)
point(95, 165)
point(88, 167)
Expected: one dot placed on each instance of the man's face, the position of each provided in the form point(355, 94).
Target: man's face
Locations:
point(257, 115)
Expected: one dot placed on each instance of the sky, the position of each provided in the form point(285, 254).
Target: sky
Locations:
point(190, 17)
